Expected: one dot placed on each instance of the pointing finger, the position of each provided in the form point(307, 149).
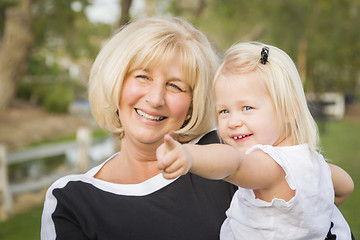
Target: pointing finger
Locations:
point(170, 143)
point(174, 136)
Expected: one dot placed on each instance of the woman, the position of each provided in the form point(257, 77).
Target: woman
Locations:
point(152, 78)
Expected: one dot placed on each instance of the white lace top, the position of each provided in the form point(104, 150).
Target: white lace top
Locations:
point(306, 216)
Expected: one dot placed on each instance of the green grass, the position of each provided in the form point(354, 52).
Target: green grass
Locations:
point(341, 145)
point(22, 226)
point(340, 142)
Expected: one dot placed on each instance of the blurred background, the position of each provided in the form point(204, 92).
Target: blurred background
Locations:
point(47, 48)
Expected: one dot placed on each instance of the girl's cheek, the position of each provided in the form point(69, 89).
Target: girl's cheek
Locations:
point(222, 129)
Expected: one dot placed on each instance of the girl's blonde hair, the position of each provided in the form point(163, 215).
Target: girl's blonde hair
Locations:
point(283, 84)
point(145, 44)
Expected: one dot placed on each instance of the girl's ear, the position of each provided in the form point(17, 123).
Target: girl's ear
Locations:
point(293, 114)
point(289, 119)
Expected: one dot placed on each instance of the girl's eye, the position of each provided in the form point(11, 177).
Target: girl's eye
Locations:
point(247, 108)
point(224, 111)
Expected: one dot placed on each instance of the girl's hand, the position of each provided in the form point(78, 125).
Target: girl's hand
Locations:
point(173, 158)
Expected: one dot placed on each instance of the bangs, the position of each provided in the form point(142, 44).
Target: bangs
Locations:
point(147, 59)
point(190, 65)
point(159, 55)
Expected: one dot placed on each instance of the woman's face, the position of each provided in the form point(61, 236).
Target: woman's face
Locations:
point(154, 102)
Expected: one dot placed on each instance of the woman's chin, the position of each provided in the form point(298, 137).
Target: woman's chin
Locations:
point(149, 137)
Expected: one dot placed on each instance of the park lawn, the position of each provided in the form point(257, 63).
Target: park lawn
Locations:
point(22, 226)
point(340, 142)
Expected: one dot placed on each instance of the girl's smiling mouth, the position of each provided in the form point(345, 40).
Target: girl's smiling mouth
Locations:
point(241, 136)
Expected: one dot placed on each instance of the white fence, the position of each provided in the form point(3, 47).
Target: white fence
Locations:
point(329, 105)
point(79, 150)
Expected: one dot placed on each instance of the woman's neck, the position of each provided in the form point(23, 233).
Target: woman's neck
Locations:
point(132, 165)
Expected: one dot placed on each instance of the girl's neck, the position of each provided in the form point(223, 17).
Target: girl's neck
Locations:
point(285, 141)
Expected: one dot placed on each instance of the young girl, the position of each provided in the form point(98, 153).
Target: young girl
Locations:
point(285, 185)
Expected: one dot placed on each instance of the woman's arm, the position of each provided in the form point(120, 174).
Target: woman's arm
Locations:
point(343, 183)
point(61, 224)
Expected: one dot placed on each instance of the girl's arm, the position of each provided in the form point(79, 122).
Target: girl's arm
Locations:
point(343, 183)
point(213, 161)
point(219, 161)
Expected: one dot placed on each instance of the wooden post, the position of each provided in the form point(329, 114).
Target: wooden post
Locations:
point(83, 136)
point(5, 198)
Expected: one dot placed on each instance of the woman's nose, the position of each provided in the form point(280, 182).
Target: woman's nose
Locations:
point(155, 96)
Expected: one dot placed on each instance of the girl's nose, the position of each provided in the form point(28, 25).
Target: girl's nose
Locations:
point(235, 121)
point(155, 96)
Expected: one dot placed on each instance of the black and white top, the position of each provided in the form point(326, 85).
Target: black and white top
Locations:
point(83, 207)
point(190, 207)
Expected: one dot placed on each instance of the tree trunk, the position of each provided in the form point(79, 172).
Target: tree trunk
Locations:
point(305, 41)
point(301, 59)
point(200, 8)
point(14, 49)
point(150, 8)
point(125, 12)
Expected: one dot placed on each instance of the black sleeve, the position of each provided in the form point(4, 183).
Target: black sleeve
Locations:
point(331, 236)
point(210, 137)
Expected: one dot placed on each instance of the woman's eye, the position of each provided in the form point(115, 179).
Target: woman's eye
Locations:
point(175, 87)
point(142, 77)
point(247, 108)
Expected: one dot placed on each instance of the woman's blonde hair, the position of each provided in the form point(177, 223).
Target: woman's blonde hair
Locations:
point(146, 43)
point(283, 84)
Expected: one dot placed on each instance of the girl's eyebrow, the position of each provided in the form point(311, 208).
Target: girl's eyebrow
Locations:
point(219, 106)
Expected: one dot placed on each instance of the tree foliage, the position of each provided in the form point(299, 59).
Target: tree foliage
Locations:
point(58, 32)
point(57, 25)
point(321, 36)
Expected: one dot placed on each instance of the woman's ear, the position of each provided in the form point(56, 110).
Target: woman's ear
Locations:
point(190, 111)
point(188, 116)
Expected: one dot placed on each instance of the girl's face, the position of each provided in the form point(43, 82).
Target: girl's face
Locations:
point(246, 113)
point(154, 102)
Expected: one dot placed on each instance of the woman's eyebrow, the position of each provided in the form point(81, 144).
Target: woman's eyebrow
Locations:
point(176, 79)
point(143, 70)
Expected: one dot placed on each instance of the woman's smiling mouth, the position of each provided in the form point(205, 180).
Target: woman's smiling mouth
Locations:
point(148, 116)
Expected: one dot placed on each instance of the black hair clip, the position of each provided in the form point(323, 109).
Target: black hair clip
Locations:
point(264, 55)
